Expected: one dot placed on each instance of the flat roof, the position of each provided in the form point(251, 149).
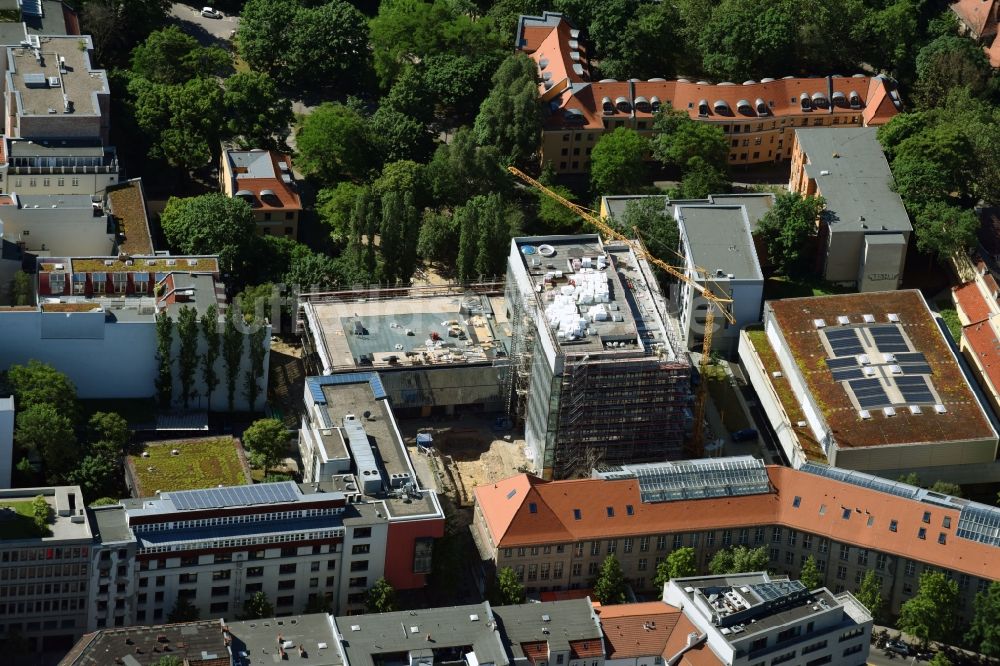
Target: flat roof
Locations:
point(452, 630)
point(191, 642)
point(314, 633)
point(594, 295)
point(914, 335)
point(417, 332)
point(719, 240)
point(67, 503)
point(127, 204)
point(756, 204)
point(111, 524)
point(78, 81)
point(852, 174)
point(54, 148)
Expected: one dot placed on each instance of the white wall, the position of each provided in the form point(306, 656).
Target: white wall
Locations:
point(72, 183)
point(107, 359)
point(6, 440)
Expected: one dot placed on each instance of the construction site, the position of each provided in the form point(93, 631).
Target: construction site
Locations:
point(599, 375)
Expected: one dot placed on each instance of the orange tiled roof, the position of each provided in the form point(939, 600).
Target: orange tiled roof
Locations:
point(979, 15)
point(971, 300)
point(983, 342)
point(637, 630)
point(585, 649)
point(557, 523)
point(700, 655)
point(536, 651)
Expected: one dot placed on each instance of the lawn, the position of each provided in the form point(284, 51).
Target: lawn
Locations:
point(951, 320)
point(201, 463)
point(778, 287)
point(21, 525)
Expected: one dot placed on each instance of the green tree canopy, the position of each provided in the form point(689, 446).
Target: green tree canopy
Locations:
point(610, 586)
point(44, 429)
point(739, 559)
point(870, 593)
point(256, 112)
point(943, 229)
point(266, 441)
point(510, 118)
point(747, 39)
point(788, 229)
point(210, 224)
point(335, 205)
point(810, 575)
point(946, 488)
point(257, 606)
point(679, 139)
point(984, 630)
point(486, 224)
point(302, 46)
point(701, 179)
point(438, 240)
point(647, 43)
point(507, 590)
point(21, 291)
point(949, 62)
point(616, 163)
point(381, 597)
point(108, 432)
point(398, 136)
point(462, 169)
point(116, 26)
point(930, 614)
point(183, 611)
point(37, 383)
point(933, 165)
point(333, 143)
point(98, 474)
point(169, 56)
point(681, 563)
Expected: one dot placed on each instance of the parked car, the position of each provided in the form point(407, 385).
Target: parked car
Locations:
point(899, 647)
point(745, 435)
point(208, 12)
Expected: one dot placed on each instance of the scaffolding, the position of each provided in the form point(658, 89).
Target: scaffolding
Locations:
point(518, 376)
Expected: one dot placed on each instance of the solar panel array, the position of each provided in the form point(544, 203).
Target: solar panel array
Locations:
point(777, 590)
point(677, 481)
point(217, 498)
point(981, 523)
point(888, 338)
point(915, 390)
point(870, 393)
point(863, 480)
point(844, 341)
point(844, 369)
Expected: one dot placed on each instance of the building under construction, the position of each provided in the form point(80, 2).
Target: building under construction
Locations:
point(598, 375)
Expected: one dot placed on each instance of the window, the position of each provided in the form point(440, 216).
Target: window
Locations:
point(841, 573)
point(252, 588)
point(119, 280)
point(946, 522)
point(611, 511)
point(922, 533)
point(678, 540)
point(627, 545)
point(286, 569)
point(285, 601)
point(661, 542)
point(612, 546)
point(57, 282)
point(880, 561)
point(629, 510)
point(577, 567)
point(863, 557)
point(592, 569)
point(727, 537)
point(359, 549)
point(358, 581)
point(758, 535)
point(775, 553)
point(521, 552)
point(595, 547)
point(362, 533)
point(792, 537)
point(845, 552)
point(141, 282)
point(846, 513)
point(927, 517)
point(815, 646)
point(644, 544)
point(578, 550)
point(822, 660)
point(789, 558)
point(807, 541)
point(557, 570)
point(797, 501)
point(892, 525)
point(907, 589)
point(220, 591)
point(854, 649)
point(255, 572)
point(643, 563)
point(76, 182)
point(942, 538)
point(576, 512)
point(775, 535)
point(532, 572)
point(545, 571)
point(909, 568)
point(744, 536)
point(782, 658)
point(360, 565)
point(822, 509)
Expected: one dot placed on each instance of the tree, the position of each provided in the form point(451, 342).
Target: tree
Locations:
point(701, 179)
point(108, 433)
point(43, 429)
point(647, 46)
point(787, 230)
point(36, 383)
point(98, 474)
point(946, 488)
point(397, 136)
point(453, 84)
point(210, 224)
point(739, 559)
point(171, 57)
point(510, 118)
point(232, 355)
point(940, 659)
point(943, 229)
point(256, 112)
point(932, 165)
point(946, 63)
point(164, 358)
point(678, 139)
point(870, 593)
point(616, 163)
point(117, 25)
point(381, 597)
point(182, 122)
point(183, 611)
point(911, 478)
point(486, 225)
point(439, 235)
point(747, 39)
point(41, 514)
point(257, 607)
point(657, 228)
point(557, 217)
point(335, 206)
point(610, 586)
point(257, 353)
point(313, 271)
point(209, 326)
point(681, 563)
point(462, 169)
point(507, 590)
point(304, 47)
point(810, 575)
point(333, 144)
point(391, 235)
point(930, 615)
point(20, 289)
point(984, 631)
point(187, 353)
point(266, 440)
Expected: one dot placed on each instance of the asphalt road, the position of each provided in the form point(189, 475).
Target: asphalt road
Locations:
point(208, 31)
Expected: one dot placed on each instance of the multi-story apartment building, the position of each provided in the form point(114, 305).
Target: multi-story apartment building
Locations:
point(60, 167)
point(751, 619)
point(864, 230)
point(556, 534)
point(264, 179)
point(44, 579)
point(98, 313)
point(591, 334)
point(50, 225)
point(757, 116)
point(868, 382)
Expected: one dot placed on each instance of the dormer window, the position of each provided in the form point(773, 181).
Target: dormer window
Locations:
point(805, 102)
point(607, 106)
point(855, 99)
point(703, 107)
point(623, 105)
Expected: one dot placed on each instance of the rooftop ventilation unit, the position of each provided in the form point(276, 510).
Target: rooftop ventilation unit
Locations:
point(895, 370)
point(915, 409)
point(843, 320)
point(940, 409)
point(869, 319)
point(889, 358)
point(54, 82)
point(819, 323)
point(109, 262)
point(868, 371)
point(889, 411)
point(893, 317)
point(35, 80)
point(863, 359)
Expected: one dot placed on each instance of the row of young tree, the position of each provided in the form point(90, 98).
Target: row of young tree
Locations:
point(931, 614)
point(199, 347)
point(54, 442)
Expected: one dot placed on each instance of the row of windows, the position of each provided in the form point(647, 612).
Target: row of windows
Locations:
point(34, 554)
point(235, 520)
point(235, 543)
point(33, 182)
point(31, 589)
point(47, 571)
point(43, 606)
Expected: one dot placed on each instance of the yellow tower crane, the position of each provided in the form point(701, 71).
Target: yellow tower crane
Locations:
point(714, 301)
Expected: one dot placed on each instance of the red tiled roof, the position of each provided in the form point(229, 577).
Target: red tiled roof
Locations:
point(286, 193)
point(700, 655)
point(971, 300)
point(585, 649)
point(637, 630)
point(979, 15)
point(536, 651)
point(983, 343)
point(557, 523)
